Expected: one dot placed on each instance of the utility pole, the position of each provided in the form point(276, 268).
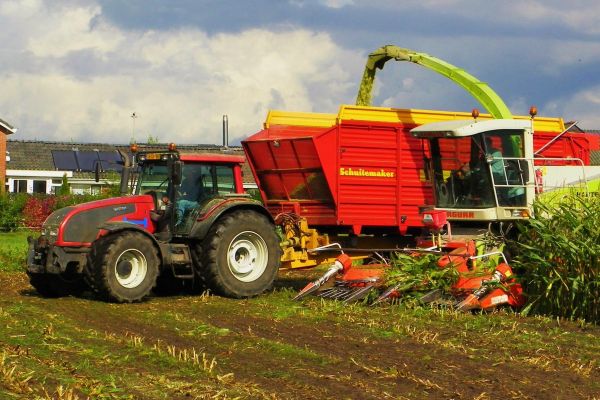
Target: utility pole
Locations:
point(133, 118)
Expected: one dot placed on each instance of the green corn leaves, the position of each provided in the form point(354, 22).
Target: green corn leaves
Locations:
point(559, 258)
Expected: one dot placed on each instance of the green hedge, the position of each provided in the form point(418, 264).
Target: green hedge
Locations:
point(11, 211)
point(559, 258)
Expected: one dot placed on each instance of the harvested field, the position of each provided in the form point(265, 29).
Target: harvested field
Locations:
point(193, 346)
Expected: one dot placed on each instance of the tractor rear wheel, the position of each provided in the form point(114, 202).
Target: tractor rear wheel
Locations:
point(241, 255)
point(124, 267)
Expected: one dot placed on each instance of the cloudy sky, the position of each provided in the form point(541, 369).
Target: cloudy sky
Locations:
point(76, 70)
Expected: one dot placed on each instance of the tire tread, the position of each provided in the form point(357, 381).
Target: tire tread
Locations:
point(212, 273)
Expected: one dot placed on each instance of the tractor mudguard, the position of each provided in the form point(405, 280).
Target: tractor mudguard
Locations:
point(116, 226)
point(208, 216)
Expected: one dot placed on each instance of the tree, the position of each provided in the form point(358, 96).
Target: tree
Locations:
point(152, 140)
point(65, 188)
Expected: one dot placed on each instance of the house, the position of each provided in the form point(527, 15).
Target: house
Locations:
point(39, 166)
point(6, 130)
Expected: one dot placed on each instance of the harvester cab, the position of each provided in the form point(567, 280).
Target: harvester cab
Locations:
point(481, 171)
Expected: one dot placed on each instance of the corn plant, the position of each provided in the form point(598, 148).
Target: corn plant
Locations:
point(559, 258)
point(414, 274)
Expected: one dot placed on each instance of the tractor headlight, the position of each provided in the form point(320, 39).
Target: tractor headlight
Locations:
point(53, 232)
point(50, 232)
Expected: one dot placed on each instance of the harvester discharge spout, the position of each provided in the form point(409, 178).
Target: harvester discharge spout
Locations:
point(479, 90)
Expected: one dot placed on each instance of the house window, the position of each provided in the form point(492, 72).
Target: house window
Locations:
point(39, 186)
point(80, 189)
point(20, 186)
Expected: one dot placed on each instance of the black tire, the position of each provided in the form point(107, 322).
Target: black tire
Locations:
point(123, 267)
point(241, 255)
point(197, 252)
point(54, 285)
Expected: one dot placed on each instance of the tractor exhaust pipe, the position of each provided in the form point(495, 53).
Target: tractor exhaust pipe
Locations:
point(225, 131)
point(125, 173)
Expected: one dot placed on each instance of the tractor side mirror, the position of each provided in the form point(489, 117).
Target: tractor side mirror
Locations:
point(176, 172)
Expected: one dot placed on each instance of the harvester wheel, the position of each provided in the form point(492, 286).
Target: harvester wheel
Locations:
point(55, 285)
point(124, 267)
point(241, 255)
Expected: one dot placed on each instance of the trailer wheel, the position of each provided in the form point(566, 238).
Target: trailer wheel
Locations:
point(242, 255)
point(124, 267)
point(57, 285)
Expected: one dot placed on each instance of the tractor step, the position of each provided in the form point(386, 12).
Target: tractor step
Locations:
point(178, 256)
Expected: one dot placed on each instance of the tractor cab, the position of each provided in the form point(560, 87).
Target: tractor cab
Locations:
point(480, 170)
point(184, 185)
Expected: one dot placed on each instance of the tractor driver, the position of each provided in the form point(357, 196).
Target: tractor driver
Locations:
point(161, 218)
point(190, 191)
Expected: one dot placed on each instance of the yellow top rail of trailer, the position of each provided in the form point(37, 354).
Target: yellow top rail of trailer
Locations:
point(391, 115)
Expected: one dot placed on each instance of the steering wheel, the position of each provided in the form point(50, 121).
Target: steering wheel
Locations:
point(443, 193)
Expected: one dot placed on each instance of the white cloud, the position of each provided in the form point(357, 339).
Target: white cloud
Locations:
point(581, 16)
point(68, 73)
point(326, 3)
point(337, 3)
point(581, 107)
point(91, 76)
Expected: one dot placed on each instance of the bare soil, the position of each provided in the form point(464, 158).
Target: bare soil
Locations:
point(269, 347)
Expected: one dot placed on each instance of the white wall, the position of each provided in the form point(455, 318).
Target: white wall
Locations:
point(14, 177)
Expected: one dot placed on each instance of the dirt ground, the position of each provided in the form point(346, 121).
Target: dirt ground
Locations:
point(271, 347)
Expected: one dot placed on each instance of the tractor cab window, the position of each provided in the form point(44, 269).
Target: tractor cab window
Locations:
point(200, 183)
point(153, 177)
point(203, 181)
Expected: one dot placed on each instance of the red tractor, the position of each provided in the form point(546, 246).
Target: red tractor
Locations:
point(188, 219)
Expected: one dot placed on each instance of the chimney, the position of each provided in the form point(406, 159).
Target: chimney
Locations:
point(225, 131)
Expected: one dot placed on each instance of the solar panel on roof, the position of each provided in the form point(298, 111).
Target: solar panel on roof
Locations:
point(111, 161)
point(65, 160)
point(87, 160)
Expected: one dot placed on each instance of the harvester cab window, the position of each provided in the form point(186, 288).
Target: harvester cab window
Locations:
point(507, 168)
point(459, 171)
point(480, 171)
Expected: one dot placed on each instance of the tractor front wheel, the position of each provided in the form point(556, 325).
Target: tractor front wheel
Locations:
point(242, 255)
point(124, 267)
